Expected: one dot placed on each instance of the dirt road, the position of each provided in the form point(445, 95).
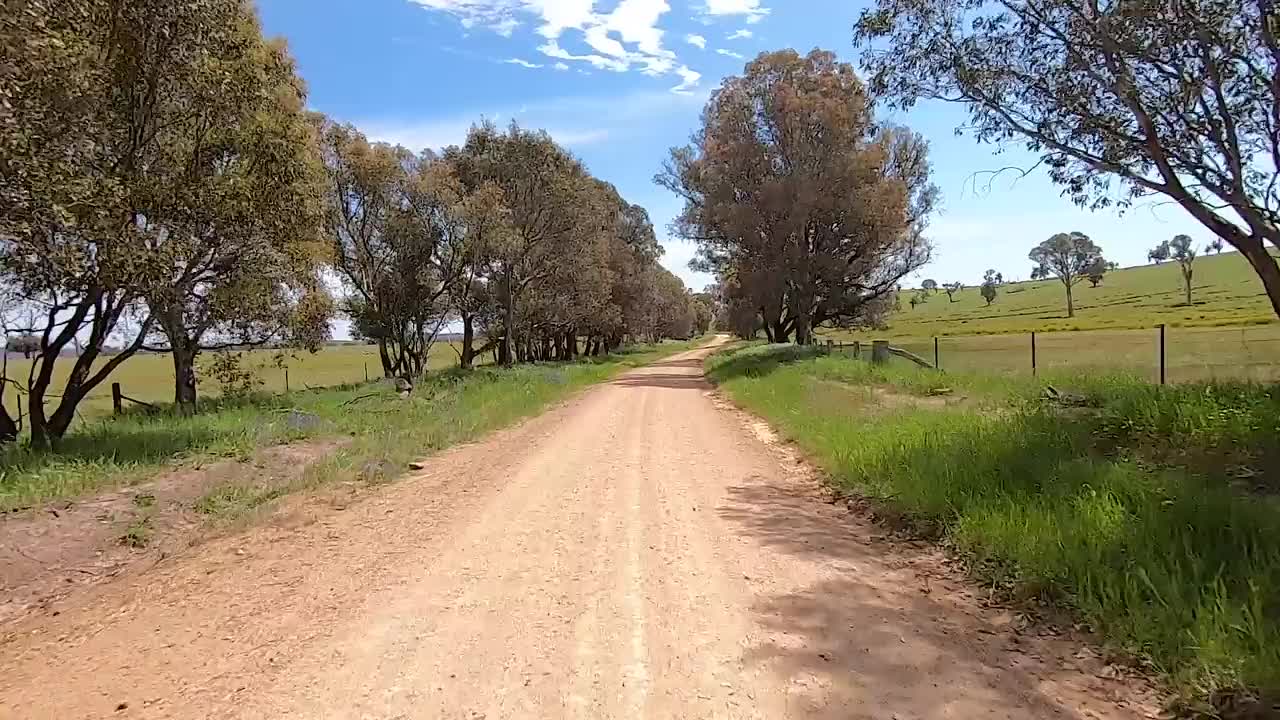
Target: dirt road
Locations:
point(639, 552)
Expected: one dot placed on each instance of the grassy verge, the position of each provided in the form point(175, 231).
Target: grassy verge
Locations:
point(387, 432)
point(1149, 511)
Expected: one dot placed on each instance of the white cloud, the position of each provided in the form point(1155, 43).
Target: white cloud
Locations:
point(418, 136)
point(688, 81)
point(743, 34)
point(506, 26)
point(522, 63)
point(730, 53)
point(626, 38)
point(560, 66)
point(697, 41)
point(750, 9)
point(572, 121)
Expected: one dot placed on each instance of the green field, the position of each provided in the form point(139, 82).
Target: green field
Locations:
point(149, 376)
point(385, 431)
point(1225, 292)
point(1229, 333)
point(1150, 512)
point(1246, 352)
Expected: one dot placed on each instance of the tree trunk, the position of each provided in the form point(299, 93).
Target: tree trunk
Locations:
point(8, 428)
point(509, 316)
point(388, 368)
point(571, 344)
point(184, 376)
point(780, 332)
point(1186, 280)
point(468, 342)
point(804, 331)
point(1071, 307)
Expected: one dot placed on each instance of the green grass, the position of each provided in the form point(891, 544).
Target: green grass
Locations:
point(149, 376)
point(1226, 291)
point(1148, 511)
point(386, 432)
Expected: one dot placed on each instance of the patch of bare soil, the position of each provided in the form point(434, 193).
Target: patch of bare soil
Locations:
point(50, 552)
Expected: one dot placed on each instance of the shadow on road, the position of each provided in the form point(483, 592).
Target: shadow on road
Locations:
point(677, 374)
point(887, 633)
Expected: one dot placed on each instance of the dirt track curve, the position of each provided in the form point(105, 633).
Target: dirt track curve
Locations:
point(639, 552)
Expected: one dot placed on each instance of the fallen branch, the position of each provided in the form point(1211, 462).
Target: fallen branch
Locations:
point(355, 400)
point(907, 354)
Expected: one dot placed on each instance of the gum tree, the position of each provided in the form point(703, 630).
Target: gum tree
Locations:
point(1122, 101)
point(791, 188)
point(1183, 250)
point(1068, 257)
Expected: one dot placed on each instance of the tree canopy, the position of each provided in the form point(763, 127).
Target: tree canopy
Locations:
point(1182, 249)
point(806, 207)
point(1176, 100)
point(1068, 257)
point(158, 183)
point(507, 234)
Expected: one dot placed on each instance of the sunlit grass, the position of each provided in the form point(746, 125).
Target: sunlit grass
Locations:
point(386, 431)
point(1127, 507)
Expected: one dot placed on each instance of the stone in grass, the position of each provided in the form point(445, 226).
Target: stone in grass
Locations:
point(299, 421)
point(403, 387)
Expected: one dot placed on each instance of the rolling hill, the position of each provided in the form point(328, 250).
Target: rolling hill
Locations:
point(1225, 292)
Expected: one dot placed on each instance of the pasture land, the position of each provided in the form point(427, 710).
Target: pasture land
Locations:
point(386, 432)
point(1225, 292)
point(1246, 352)
point(1150, 512)
point(149, 376)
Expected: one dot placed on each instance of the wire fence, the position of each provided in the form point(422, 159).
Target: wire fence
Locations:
point(1160, 354)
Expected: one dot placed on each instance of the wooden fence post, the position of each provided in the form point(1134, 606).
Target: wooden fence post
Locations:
point(937, 365)
point(831, 344)
point(879, 351)
point(366, 371)
point(1162, 362)
point(1033, 353)
point(117, 399)
point(857, 349)
point(286, 380)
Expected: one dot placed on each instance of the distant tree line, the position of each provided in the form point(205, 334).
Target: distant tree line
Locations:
point(163, 187)
point(508, 235)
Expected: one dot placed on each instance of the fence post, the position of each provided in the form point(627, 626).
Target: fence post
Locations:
point(1033, 353)
point(1162, 366)
point(857, 349)
point(830, 346)
point(286, 381)
point(366, 371)
point(879, 351)
point(117, 399)
point(936, 364)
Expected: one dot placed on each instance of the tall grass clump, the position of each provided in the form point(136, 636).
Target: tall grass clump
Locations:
point(1165, 560)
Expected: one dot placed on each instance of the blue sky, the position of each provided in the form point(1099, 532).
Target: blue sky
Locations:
point(619, 82)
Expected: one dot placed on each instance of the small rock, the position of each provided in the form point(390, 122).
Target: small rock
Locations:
point(298, 420)
point(417, 466)
point(122, 706)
